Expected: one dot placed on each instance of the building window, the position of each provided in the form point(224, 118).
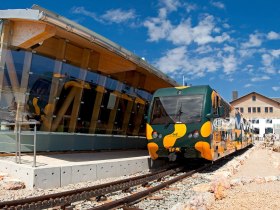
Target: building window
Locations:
point(249, 109)
point(254, 109)
point(241, 109)
point(266, 109)
point(269, 121)
point(255, 121)
point(270, 109)
point(259, 109)
point(253, 98)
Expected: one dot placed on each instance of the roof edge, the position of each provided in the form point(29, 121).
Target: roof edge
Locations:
point(40, 14)
point(271, 99)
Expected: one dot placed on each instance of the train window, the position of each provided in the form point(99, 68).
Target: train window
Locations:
point(175, 109)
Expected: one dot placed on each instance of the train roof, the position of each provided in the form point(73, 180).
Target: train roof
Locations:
point(199, 89)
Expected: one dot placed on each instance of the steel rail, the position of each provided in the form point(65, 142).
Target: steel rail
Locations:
point(141, 195)
point(68, 197)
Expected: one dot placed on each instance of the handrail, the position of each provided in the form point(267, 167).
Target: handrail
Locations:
point(18, 131)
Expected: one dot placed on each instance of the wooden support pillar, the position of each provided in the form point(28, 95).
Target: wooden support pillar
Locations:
point(95, 113)
point(55, 86)
point(127, 115)
point(67, 102)
point(23, 86)
point(138, 119)
point(113, 114)
point(4, 43)
point(78, 97)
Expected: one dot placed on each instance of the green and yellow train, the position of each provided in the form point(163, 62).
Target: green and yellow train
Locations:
point(194, 122)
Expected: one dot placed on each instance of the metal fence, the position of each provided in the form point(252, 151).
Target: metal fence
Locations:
point(18, 134)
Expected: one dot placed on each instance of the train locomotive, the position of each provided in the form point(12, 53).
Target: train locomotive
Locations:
point(194, 122)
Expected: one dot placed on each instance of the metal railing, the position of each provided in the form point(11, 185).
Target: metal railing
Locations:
point(18, 131)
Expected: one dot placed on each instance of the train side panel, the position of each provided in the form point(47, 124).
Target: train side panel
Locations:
point(193, 122)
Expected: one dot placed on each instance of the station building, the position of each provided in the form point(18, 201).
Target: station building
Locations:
point(262, 111)
point(87, 92)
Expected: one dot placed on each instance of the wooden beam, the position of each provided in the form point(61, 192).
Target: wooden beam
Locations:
point(27, 34)
point(64, 107)
point(55, 86)
point(4, 41)
point(78, 97)
point(138, 121)
point(96, 109)
point(127, 115)
point(113, 114)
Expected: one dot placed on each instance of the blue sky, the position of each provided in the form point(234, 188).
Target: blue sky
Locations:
point(230, 45)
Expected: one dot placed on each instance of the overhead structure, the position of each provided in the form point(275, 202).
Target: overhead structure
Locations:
point(70, 78)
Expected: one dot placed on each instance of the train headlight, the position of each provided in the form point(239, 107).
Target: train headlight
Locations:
point(190, 135)
point(195, 134)
point(154, 134)
point(160, 135)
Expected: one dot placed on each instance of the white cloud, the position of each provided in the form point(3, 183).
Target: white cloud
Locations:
point(275, 53)
point(267, 61)
point(218, 4)
point(276, 88)
point(158, 28)
point(118, 15)
point(229, 49)
point(254, 41)
point(183, 33)
point(248, 85)
point(173, 60)
point(191, 7)
point(171, 5)
point(110, 16)
point(177, 60)
point(273, 35)
point(203, 49)
point(229, 64)
point(260, 78)
point(83, 11)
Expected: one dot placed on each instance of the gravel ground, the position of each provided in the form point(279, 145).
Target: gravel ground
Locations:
point(262, 194)
point(249, 181)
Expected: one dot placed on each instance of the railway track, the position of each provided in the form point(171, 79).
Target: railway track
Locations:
point(64, 199)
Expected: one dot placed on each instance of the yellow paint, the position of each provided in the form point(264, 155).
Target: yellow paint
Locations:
point(180, 131)
point(153, 148)
point(100, 89)
point(149, 131)
point(76, 84)
point(238, 145)
point(221, 149)
point(204, 149)
point(238, 132)
point(48, 108)
point(139, 101)
point(36, 107)
point(182, 87)
point(206, 129)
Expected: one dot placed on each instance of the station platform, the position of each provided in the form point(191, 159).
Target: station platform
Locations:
point(57, 170)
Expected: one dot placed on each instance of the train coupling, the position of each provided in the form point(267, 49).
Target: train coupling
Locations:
point(172, 157)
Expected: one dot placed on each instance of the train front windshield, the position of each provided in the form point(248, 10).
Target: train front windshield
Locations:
point(177, 109)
